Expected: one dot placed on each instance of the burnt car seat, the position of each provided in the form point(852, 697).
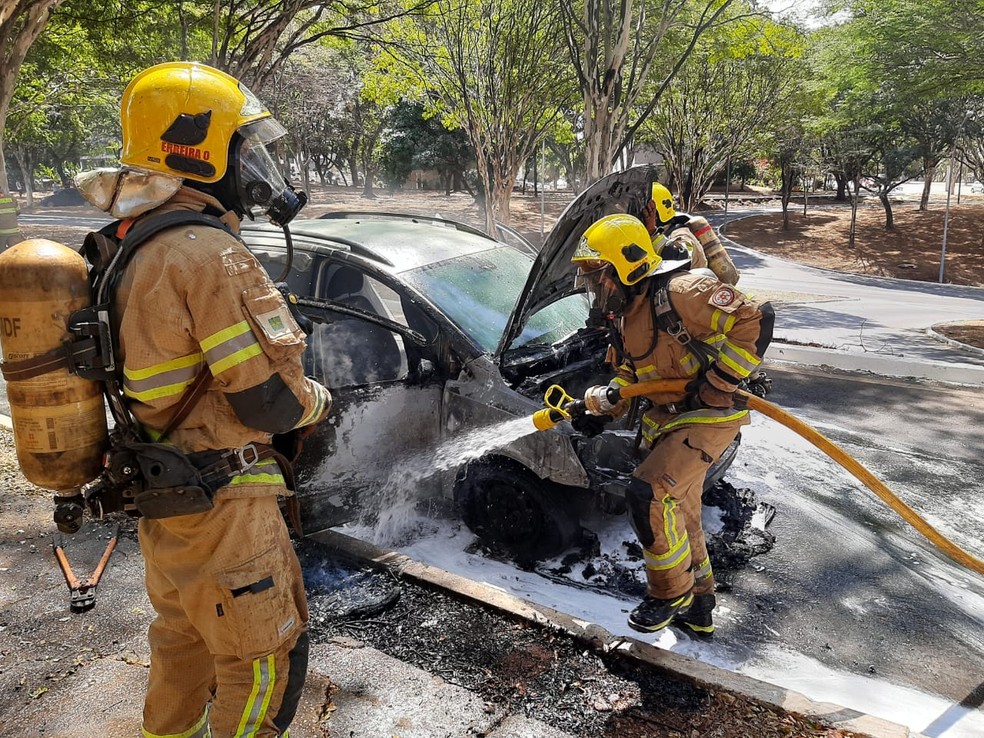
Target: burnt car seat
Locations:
point(349, 350)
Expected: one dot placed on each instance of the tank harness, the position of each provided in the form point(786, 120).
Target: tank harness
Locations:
point(141, 478)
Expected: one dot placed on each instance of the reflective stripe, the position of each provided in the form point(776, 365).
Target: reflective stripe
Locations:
point(9, 231)
point(722, 322)
point(620, 381)
point(690, 364)
point(699, 628)
point(161, 380)
point(737, 359)
point(703, 417)
point(321, 397)
point(230, 346)
point(255, 475)
point(703, 571)
point(679, 546)
point(264, 677)
point(200, 729)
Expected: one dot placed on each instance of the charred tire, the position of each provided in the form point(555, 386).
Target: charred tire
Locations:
point(513, 511)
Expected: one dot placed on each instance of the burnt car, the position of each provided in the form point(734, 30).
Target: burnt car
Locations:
point(427, 329)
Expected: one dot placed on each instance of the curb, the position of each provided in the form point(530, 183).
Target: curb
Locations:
point(597, 638)
point(951, 342)
point(870, 363)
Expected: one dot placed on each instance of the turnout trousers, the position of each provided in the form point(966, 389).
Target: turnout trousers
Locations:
point(229, 646)
point(664, 501)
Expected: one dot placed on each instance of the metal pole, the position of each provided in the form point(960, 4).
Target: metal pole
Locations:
point(959, 182)
point(727, 186)
point(543, 177)
point(946, 220)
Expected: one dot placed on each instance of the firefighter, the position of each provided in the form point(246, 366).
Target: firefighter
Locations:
point(194, 308)
point(9, 232)
point(706, 249)
point(666, 322)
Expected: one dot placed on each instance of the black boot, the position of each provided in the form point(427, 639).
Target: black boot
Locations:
point(697, 621)
point(654, 614)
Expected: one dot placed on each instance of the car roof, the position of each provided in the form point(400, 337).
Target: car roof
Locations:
point(401, 242)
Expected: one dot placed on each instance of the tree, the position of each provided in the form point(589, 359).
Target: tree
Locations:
point(21, 22)
point(415, 141)
point(739, 79)
point(624, 56)
point(494, 67)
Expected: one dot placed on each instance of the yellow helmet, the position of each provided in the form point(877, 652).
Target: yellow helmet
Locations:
point(622, 241)
point(664, 203)
point(179, 118)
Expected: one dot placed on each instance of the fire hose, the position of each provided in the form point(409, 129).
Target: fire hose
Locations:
point(557, 399)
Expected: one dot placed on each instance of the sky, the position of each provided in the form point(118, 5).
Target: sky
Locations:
point(443, 543)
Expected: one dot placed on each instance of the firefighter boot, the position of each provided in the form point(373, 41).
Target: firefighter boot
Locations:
point(697, 621)
point(654, 614)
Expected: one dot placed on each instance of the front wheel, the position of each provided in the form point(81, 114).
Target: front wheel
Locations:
point(514, 511)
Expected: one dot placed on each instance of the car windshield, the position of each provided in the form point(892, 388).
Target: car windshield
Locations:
point(479, 291)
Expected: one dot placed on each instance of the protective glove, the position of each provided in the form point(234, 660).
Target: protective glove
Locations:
point(584, 422)
point(649, 217)
point(291, 443)
point(702, 394)
point(759, 384)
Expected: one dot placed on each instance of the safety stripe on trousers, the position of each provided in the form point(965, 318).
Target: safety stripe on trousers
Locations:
point(230, 347)
point(200, 729)
point(679, 546)
point(264, 678)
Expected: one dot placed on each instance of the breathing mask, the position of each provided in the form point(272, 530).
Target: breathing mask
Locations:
point(260, 183)
point(600, 282)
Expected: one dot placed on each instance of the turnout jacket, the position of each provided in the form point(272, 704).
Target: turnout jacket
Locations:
point(193, 296)
point(735, 329)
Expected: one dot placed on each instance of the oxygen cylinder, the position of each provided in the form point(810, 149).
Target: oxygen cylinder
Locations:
point(59, 418)
point(717, 258)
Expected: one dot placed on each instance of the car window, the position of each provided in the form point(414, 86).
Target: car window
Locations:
point(348, 350)
point(479, 291)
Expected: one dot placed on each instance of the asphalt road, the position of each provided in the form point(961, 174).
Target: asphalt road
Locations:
point(849, 583)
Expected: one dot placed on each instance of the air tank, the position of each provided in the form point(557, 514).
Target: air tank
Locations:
point(59, 419)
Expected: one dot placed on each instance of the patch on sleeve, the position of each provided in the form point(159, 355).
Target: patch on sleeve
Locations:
point(277, 323)
point(237, 262)
point(723, 297)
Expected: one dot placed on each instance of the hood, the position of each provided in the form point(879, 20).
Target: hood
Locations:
point(552, 275)
point(126, 193)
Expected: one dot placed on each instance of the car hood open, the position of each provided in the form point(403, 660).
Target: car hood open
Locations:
point(552, 275)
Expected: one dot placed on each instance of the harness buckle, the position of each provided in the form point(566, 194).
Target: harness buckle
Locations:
point(246, 456)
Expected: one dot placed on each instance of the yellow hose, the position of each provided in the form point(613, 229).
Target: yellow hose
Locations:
point(834, 452)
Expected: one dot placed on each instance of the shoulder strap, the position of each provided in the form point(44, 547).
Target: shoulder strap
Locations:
point(668, 319)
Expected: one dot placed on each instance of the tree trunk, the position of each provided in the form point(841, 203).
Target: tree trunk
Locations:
point(854, 214)
point(929, 164)
point(886, 203)
point(841, 181)
point(26, 163)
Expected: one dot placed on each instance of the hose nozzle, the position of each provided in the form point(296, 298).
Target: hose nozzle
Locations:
point(556, 400)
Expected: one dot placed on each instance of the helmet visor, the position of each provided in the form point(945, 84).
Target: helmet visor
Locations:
point(259, 177)
point(600, 282)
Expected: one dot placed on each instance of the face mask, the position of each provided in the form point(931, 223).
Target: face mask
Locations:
point(603, 287)
point(259, 181)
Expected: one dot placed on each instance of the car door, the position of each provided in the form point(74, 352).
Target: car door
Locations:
point(369, 460)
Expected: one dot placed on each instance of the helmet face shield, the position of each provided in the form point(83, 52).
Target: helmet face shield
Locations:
point(260, 182)
point(600, 282)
